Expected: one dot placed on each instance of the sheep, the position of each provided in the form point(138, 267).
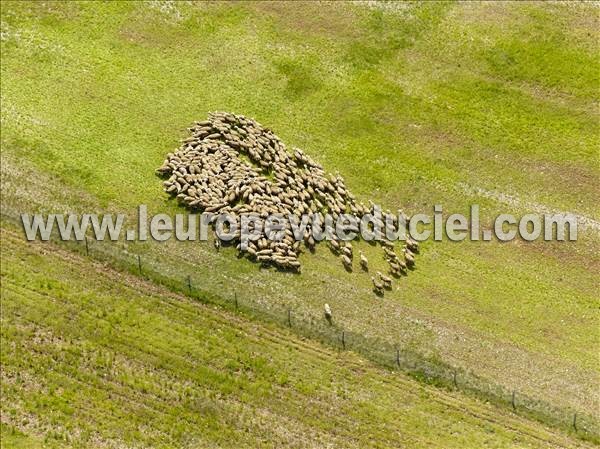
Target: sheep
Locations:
point(347, 250)
point(390, 255)
point(310, 242)
point(409, 258)
point(395, 269)
point(387, 244)
point(412, 245)
point(377, 286)
point(347, 262)
point(364, 263)
point(335, 245)
point(401, 264)
point(387, 282)
point(328, 315)
point(231, 163)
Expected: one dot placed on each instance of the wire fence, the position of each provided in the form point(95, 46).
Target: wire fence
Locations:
point(430, 370)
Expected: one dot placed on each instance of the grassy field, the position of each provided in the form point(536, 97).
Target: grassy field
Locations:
point(415, 105)
point(99, 358)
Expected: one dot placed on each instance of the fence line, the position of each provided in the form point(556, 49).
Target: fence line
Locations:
point(429, 370)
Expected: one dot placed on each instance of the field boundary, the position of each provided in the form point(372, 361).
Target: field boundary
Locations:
point(427, 370)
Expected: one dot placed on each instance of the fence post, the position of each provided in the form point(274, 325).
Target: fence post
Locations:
point(398, 357)
point(290, 317)
point(454, 379)
point(343, 339)
point(87, 248)
point(140, 264)
point(189, 283)
point(512, 401)
point(575, 421)
point(235, 300)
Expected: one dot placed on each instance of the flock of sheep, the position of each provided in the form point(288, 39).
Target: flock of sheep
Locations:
point(231, 164)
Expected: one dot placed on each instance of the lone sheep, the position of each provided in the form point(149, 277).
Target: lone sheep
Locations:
point(364, 263)
point(328, 315)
